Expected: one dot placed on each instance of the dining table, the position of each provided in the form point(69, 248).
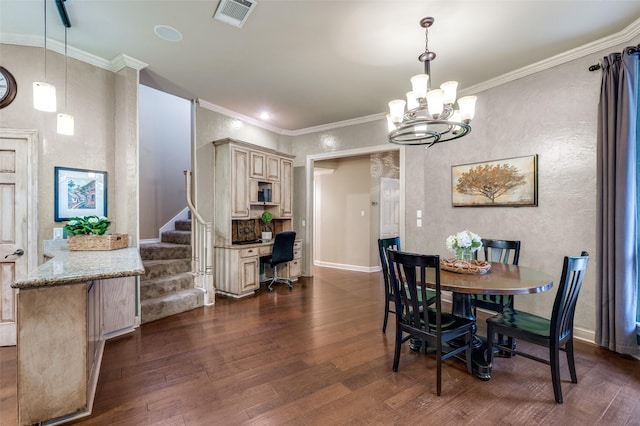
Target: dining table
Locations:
point(501, 279)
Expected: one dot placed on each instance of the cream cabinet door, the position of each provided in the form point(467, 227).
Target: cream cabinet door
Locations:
point(273, 168)
point(257, 165)
point(286, 188)
point(239, 183)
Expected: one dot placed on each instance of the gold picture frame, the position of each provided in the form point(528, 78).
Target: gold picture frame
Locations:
point(510, 182)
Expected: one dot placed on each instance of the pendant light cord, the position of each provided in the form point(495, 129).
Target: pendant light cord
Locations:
point(65, 68)
point(45, 40)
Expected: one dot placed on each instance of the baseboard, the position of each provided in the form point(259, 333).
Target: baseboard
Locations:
point(347, 267)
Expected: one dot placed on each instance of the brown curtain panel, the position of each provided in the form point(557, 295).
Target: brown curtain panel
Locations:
point(617, 218)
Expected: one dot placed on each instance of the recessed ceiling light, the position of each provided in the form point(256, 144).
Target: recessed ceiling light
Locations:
point(168, 33)
point(265, 116)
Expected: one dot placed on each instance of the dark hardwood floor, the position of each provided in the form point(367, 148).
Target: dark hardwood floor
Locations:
point(316, 355)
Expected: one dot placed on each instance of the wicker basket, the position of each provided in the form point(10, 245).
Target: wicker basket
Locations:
point(472, 267)
point(97, 242)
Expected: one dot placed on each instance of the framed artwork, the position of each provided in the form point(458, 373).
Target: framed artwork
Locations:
point(512, 182)
point(79, 192)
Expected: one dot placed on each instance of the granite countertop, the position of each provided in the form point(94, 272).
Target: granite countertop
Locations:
point(69, 267)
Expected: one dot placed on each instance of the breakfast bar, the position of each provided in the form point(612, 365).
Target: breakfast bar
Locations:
point(67, 308)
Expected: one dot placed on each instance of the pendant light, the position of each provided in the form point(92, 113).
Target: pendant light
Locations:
point(432, 116)
point(44, 94)
point(65, 121)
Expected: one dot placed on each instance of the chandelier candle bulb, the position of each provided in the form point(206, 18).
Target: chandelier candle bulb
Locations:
point(412, 102)
point(467, 108)
point(396, 110)
point(434, 103)
point(449, 88)
point(419, 85)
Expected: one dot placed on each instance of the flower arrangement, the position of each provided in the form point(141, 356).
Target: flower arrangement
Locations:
point(463, 241)
point(87, 225)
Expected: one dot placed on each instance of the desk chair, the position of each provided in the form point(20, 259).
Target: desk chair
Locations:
point(554, 334)
point(415, 317)
point(282, 252)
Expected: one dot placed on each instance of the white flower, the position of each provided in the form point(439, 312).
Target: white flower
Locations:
point(93, 220)
point(463, 240)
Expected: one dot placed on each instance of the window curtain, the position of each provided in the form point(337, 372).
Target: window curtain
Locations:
point(617, 217)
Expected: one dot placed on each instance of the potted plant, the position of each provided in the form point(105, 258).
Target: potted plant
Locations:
point(88, 233)
point(87, 225)
point(266, 219)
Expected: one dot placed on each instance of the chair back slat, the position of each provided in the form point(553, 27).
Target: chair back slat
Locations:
point(501, 251)
point(409, 276)
point(564, 306)
point(383, 245)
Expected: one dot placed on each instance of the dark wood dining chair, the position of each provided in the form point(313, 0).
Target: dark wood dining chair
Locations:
point(503, 251)
point(555, 333)
point(389, 302)
point(383, 245)
point(417, 319)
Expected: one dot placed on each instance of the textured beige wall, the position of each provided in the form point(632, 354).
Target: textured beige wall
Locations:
point(553, 114)
point(165, 153)
point(211, 126)
point(341, 197)
point(92, 98)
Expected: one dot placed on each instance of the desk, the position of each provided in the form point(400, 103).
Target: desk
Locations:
point(501, 279)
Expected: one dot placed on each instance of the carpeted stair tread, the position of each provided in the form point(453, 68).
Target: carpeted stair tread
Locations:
point(171, 304)
point(176, 237)
point(156, 251)
point(183, 225)
point(162, 267)
point(157, 287)
point(167, 287)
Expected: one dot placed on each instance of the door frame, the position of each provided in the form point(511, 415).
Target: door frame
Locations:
point(310, 198)
point(31, 245)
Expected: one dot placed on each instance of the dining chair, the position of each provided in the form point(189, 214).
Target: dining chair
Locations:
point(383, 245)
point(409, 274)
point(282, 252)
point(555, 333)
point(503, 251)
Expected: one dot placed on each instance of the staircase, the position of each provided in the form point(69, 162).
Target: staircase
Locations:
point(167, 287)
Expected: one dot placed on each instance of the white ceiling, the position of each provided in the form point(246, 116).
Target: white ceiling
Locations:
point(311, 63)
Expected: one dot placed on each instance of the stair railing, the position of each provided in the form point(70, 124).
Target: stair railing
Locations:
point(201, 249)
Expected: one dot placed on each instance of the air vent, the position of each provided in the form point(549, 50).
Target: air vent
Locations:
point(234, 12)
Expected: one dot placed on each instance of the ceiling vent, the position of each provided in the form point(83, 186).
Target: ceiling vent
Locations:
point(234, 12)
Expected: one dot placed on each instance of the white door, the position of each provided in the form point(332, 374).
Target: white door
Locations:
point(389, 207)
point(15, 227)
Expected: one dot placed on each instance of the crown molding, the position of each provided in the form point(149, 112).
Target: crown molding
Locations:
point(627, 34)
point(232, 114)
point(114, 65)
point(121, 61)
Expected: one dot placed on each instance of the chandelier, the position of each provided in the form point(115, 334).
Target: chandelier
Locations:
point(431, 116)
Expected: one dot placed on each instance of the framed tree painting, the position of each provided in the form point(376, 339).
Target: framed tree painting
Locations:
point(79, 192)
point(512, 182)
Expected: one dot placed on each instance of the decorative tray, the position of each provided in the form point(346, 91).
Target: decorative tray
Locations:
point(476, 267)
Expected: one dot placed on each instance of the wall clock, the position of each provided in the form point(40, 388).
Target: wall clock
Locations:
point(8, 87)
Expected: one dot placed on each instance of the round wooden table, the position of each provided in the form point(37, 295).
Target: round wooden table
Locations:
point(501, 279)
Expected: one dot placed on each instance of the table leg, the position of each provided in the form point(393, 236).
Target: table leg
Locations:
point(461, 307)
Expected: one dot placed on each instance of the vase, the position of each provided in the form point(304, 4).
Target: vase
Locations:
point(464, 254)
